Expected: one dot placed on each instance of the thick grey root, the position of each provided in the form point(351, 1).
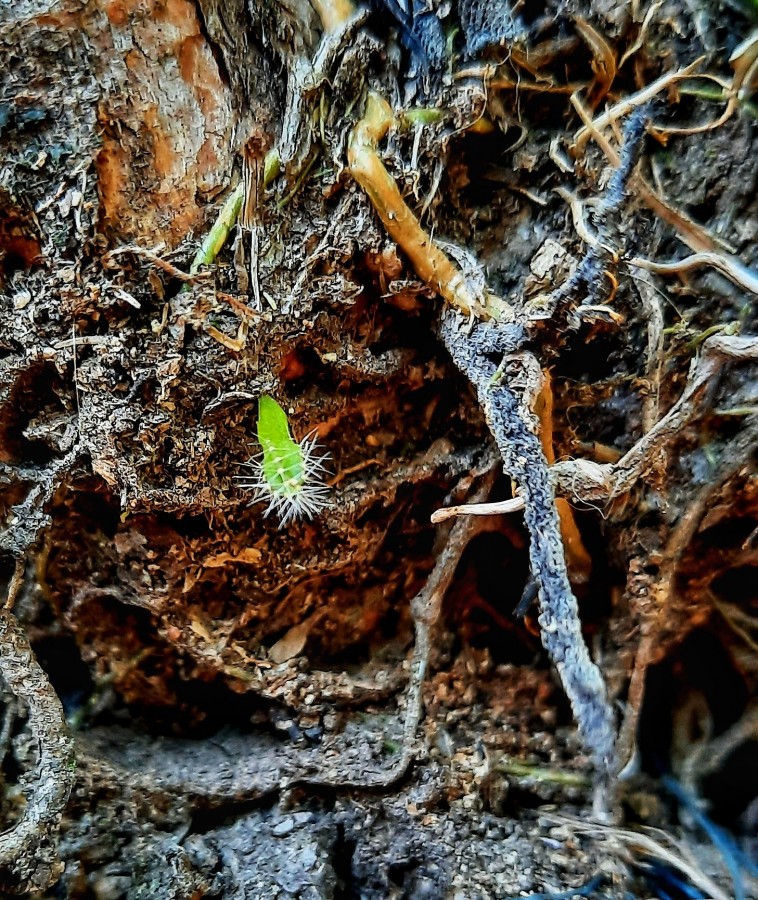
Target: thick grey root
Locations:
point(586, 285)
point(524, 460)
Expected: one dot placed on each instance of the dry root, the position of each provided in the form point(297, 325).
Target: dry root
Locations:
point(590, 482)
point(513, 428)
point(649, 845)
point(28, 852)
point(429, 262)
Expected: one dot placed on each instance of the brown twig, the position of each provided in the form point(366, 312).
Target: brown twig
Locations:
point(162, 264)
point(591, 482)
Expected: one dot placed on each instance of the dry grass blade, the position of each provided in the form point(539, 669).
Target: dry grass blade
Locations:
point(727, 264)
point(639, 42)
point(692, 233)
point(648, 846)
point(603, 59)
point(643, 843)
point(625, 106)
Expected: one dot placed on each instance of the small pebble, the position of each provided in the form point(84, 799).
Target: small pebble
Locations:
point(22, 299)
point(284, 827)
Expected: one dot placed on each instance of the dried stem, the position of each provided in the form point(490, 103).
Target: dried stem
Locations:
point(499, 508)
point(725, 263)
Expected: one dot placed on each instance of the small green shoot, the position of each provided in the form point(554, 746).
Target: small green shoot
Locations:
point(288, 474)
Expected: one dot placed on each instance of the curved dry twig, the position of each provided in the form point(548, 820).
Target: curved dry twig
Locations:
point(627, 104)
point(726, 263)
point(498, 508)
point(593, 482)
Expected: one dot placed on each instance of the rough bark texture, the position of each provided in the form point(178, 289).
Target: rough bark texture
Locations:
point(350, 706)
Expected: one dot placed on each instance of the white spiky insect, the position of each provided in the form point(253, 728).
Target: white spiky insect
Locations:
point(287, 474)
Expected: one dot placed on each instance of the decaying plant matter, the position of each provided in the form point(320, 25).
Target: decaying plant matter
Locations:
point(444, 238)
